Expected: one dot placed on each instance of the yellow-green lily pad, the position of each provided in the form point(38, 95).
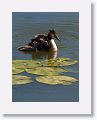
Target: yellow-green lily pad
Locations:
point(54, 80)
point(51, 62)
point(46, 71)
point(25, 63)
point(19, 79)
point(59, 62)
point(19, 63)
point(16, 71)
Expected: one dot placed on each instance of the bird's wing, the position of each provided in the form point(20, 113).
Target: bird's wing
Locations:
point(40, 35)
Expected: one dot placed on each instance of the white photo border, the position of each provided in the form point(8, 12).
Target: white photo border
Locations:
point(84, 104)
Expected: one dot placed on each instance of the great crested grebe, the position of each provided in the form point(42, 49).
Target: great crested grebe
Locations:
point(42, 42)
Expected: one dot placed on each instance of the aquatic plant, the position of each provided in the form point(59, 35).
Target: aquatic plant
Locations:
point(19, 79)
point(50, 71)
point(25, 63)
point(17, 71)
point(53, 80)
point(59, 62)
point(46, 71)
point(50, 62)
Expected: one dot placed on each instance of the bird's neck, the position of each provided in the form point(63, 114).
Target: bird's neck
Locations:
point(53, 45)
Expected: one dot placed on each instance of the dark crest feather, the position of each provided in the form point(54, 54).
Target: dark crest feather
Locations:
point(53, 31)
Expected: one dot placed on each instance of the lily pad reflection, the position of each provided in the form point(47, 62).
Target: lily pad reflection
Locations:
point(53, 80)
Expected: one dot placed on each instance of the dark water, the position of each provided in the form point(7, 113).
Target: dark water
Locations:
point(25, 26)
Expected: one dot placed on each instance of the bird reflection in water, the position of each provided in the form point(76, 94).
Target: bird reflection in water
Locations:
point(42, 54)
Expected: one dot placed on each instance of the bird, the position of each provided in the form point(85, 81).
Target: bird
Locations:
point(42, 42)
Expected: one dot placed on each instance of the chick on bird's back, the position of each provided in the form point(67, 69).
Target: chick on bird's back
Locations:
point(42, 42)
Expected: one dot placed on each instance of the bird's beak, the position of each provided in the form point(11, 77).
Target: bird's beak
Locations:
point(57, 37)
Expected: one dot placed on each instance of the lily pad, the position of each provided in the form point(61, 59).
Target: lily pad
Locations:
point(59, 62)
point(53, 80)
point(19, 79)
point(16, 71)
point(46, 71)
point(51, 62)
point(25, 63)
point(19, 63)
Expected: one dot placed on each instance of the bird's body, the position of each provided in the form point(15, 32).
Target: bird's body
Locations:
point(42, 42)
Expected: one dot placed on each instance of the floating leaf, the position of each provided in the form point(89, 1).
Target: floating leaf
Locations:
point(53, 80)
point(19, 63)
point(16, 71)
point(45, 71)
point(59, 62)
point(50, 62)
point(25, 63)
point(19, 79)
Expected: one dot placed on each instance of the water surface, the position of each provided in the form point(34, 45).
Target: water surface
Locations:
point(24, 27)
